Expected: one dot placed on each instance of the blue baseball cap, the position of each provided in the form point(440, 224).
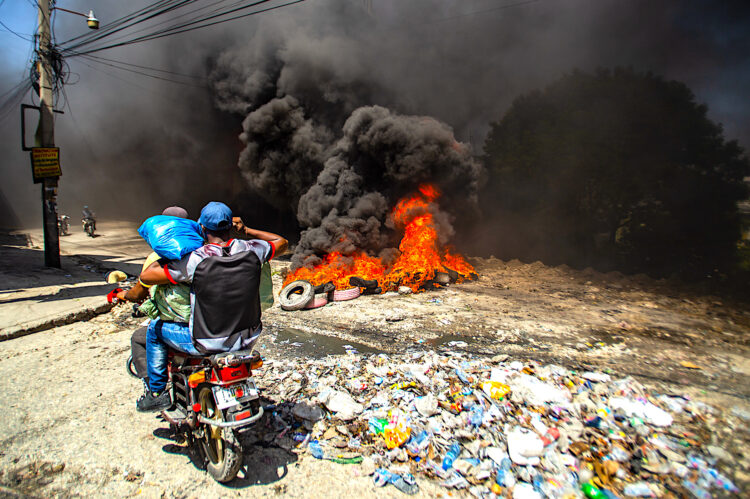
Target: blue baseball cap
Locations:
point(216, 216)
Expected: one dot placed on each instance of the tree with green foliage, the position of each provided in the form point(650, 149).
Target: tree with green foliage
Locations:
point(617, 169)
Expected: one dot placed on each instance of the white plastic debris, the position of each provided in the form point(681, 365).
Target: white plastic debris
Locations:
point(427, 405)
point(642, 409)
point(534, 391)
point(524, 447)
point(597, 377)
point(307, 412)
point(340, 403)
point(525, 491)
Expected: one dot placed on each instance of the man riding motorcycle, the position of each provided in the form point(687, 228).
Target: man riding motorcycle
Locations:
point(224, 276)
point(88, 220)
point(168, 311)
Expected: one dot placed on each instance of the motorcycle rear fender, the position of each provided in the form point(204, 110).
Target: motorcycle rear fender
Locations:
point(229, 375)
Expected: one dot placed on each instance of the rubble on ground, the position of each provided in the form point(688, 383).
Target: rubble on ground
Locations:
point(497, 427)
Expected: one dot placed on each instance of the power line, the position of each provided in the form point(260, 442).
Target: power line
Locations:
point(111, 75)
point(184, 28)
point(492, 9)
point(99, 58)
point(22, 37)
point(15, 96)
point(118, 22)
point(92, 59)
point(155, 10)
point(15, 87)
point(184, 2)
point(179, 16)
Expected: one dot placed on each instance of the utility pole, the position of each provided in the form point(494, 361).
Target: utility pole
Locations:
point(45, 136)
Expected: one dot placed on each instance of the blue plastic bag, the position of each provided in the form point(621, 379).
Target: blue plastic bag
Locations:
point(171, 237)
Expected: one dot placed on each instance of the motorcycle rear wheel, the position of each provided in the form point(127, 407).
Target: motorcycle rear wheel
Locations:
point(221, 447)
point(130, 366)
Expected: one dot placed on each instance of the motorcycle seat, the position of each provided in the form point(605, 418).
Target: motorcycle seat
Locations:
point(224, 359)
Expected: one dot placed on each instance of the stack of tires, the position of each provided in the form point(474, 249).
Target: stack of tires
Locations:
point(299, 295)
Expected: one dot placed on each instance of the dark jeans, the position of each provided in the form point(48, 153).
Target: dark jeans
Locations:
point(138, 350)
point(161, 335)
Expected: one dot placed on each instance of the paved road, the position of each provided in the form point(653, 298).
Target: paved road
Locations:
point(115, 241)
point(34, 297)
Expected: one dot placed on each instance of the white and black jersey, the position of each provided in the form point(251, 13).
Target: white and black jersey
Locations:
point(224, 293)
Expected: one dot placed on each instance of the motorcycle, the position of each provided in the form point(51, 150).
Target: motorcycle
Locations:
point(89, 225)
point(213, 398)
point(63, 225)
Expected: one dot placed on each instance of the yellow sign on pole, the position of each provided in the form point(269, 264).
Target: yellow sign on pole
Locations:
point(45, 163)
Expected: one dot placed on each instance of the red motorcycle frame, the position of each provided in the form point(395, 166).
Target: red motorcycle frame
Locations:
point(213, 397)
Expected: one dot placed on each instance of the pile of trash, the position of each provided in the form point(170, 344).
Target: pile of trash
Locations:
point(495, 427)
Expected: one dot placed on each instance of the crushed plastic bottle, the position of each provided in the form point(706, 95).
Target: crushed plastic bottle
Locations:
point(696, 490)
point(418, 443)
point(476, 415)
point(453, 451)
point(638, 489)
point(505, 477)
point(406, 483)
point(316, 450)
point(463, 376)
point(377, 425)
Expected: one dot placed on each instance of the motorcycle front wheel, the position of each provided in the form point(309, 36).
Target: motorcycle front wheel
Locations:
point(221, 447)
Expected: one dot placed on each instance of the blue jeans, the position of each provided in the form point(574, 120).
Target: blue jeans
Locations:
point(160, 335)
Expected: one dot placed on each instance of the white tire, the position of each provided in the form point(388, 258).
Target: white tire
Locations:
point(319, 300)
point(346, 294)
point(296, 295)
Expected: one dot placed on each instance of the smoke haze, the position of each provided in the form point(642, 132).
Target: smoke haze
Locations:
point(319, 111)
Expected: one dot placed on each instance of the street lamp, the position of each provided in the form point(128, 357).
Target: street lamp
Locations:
point(91, 21)
point(45, 157)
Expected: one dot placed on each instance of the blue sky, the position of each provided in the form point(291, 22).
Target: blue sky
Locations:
point(20, 16)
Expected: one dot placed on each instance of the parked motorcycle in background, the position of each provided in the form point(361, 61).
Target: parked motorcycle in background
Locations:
point(63, 225)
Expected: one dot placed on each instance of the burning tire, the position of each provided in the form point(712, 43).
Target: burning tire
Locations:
point(346, 294)
point(296, 295)
point(319, 300)
point(324, 288)
point(363, 283)
point(442, 278)
point(452, 274)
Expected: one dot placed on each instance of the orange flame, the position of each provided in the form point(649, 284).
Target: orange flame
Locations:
point(421, 255)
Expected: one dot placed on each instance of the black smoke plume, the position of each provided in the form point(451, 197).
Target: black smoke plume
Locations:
point(131, 144)
point(381, 157)
point(284, 151)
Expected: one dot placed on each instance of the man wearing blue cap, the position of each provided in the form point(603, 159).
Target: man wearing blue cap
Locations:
point(225, 316)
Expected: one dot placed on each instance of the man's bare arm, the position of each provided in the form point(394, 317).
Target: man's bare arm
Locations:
point(154, 274)
point(279, 243)
point(137, 293)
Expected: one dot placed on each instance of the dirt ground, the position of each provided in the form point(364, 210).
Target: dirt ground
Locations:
point(70, 427)
point(629, 325)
